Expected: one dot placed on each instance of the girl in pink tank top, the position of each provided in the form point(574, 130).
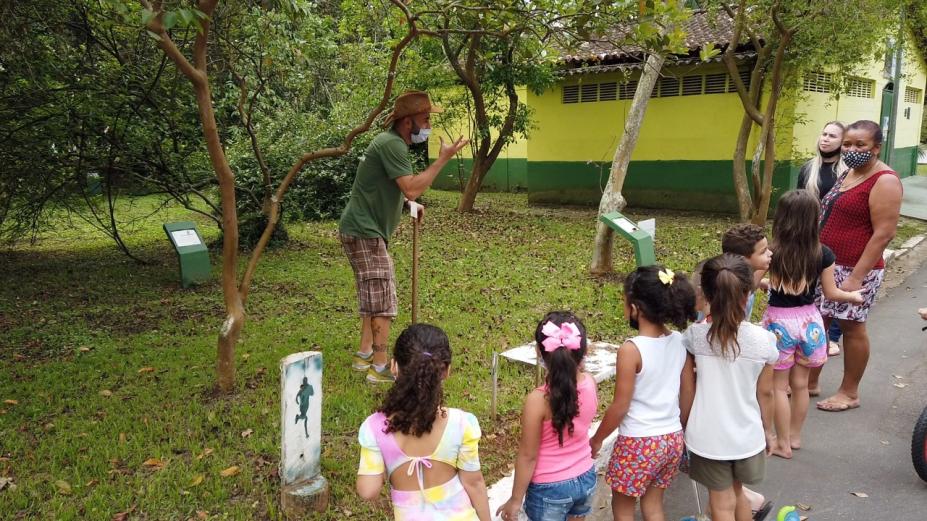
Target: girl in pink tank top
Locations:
point(554, 472)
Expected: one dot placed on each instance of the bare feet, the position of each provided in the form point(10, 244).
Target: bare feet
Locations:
point(778, 449)
point(838, 403)
point(795, 442)
point(923, 313)
point(833, 348)
point(814, 391)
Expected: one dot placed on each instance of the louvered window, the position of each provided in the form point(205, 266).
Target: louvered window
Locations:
point(715, 83)
point(589, 92)
point(744, 77)
point(669, 87)
point(817, 82)
point(570, 94)
point(692, 85)
point(608, 91)
point(626, 90)
point(912, 95)
point(860, 88)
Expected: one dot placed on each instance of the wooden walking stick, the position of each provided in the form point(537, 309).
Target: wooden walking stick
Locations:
point(416, 224)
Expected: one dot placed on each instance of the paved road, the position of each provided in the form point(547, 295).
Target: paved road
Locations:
point(862, 450)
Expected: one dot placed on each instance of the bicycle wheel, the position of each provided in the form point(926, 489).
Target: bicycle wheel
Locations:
point(919, 446)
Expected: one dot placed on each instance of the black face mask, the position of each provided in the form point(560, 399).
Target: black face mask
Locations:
point(828, 155)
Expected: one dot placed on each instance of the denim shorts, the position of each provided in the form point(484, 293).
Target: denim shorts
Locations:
point(560, 499)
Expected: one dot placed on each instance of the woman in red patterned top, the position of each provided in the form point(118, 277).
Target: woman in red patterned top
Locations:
point(858, 219)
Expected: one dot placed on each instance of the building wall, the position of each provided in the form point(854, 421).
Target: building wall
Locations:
point(682, 158)
point(815, 109)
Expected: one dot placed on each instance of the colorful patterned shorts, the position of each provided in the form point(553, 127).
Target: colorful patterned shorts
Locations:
point(845, 310)
point(374, 275)
point(800, 336)
point(640, 463)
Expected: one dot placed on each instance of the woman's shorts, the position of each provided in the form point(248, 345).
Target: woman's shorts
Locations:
point(800, 336)
point(637, 464)
point(845, 310)
point(374, 275)
point(560, 499)
point(721, 474)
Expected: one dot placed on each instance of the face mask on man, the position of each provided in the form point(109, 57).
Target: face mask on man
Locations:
point(855, 159)
point(420, 135)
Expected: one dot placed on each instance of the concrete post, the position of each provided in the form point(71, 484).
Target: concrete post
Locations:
point(303, 487)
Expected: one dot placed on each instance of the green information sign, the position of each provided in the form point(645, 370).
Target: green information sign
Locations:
point(191, 252)
point(640, 239)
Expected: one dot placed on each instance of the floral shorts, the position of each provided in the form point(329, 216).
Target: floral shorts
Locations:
point(640, 463)
point(845, 310)
point(800, 336)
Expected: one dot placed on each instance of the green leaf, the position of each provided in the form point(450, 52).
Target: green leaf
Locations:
point(170, 19)
point(154, 35)
point(708, 52)
point(147, 16)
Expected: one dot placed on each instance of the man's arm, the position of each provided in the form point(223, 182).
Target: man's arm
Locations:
point(413, 186)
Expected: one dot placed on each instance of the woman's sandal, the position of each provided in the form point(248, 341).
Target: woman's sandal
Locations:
point(833, 348)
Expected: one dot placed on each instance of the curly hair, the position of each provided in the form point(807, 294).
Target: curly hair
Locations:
point(423, 353)
point(742, 238)
point(562, 364)
point(661, 303)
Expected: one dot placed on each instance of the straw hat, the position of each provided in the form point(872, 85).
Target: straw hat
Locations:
point(409, 103)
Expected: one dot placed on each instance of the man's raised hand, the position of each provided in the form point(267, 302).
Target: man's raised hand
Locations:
point(448, 150)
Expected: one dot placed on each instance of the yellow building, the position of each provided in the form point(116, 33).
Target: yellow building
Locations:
point(683, 156)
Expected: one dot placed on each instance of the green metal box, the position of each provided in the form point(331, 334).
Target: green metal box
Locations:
point(192, 254)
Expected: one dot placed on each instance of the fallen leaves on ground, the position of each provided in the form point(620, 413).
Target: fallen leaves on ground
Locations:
point(154, 463)
point(106, 393)
point(860, 494)
point(197, 480)
point(231, 471)
point(11, 402)
point(63, 486)
point(144, 370)
point(247, 432)
point(206, 452)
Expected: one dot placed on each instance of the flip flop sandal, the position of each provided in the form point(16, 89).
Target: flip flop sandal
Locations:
point(833, 349)
point(764, 511)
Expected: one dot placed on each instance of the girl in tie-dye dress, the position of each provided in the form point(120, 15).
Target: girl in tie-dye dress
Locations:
point(427, 452)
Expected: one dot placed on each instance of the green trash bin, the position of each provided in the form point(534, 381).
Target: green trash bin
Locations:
point(192, 254)
point(641, 241)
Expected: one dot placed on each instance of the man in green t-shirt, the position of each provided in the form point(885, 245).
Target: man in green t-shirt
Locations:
point(384, 182)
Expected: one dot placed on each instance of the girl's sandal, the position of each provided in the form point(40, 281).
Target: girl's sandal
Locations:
point(833, 349)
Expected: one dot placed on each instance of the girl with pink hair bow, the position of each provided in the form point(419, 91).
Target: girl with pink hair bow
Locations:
point(554, 471)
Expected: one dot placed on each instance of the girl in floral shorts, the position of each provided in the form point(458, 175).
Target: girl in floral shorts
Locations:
point(652, 371)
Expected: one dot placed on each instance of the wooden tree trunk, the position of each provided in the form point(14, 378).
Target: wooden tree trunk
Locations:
point(741, 188)
point(477, 173)
point(612, 199)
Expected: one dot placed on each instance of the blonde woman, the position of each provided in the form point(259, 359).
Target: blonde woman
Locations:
point(818, 176)
point(820, 173)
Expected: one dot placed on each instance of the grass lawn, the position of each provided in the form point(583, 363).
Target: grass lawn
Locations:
point(922, 169)
point(107, 366)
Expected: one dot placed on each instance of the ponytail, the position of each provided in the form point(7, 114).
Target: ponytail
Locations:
point(423, 354)
point(662, 296)
point(562, 363)
point(726, 281)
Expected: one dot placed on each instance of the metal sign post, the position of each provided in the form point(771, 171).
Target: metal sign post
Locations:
point(641, 240)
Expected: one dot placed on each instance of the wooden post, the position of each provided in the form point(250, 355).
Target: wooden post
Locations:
point(495, 383)
point(304, 490)
point(416, 225)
